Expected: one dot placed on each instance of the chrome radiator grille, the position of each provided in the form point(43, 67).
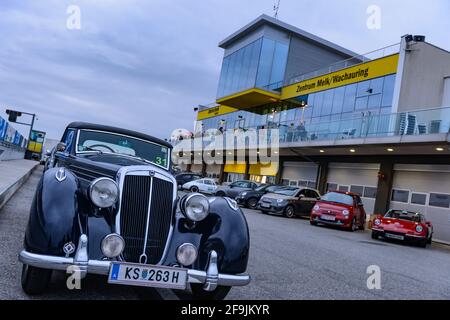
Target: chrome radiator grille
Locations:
point(136, 220)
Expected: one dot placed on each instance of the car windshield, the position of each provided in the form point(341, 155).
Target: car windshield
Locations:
point(403, 215)
point(112, 143)
point(292, 192)
point(262, 187)
point(338, 198)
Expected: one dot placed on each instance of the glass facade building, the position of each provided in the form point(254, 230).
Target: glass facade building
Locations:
point(259, 64)
point(323, 109)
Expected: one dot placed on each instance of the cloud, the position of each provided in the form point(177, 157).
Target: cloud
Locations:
point(145, 64)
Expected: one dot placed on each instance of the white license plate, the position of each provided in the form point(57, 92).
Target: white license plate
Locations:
point(265, 205)
point(394, 236)
point(147, 276)
point(328, 217)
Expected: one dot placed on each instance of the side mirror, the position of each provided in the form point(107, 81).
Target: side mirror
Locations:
point(301, 196)
point(61, 147)
point(48, 153)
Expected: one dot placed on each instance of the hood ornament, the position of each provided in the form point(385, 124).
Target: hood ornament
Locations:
point(151, 173)
point(61, 174)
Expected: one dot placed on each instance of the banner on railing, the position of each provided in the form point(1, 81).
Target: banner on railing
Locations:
point(9, 134)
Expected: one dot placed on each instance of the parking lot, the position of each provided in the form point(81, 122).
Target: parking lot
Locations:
point(289, 259)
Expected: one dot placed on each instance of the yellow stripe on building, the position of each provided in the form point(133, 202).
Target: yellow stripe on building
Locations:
point(365, 71)
point(214, 112)
point(259, 169)
point(235, 168)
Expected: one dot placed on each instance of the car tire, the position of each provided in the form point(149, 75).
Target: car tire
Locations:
point(374, 235)
point(35, 280)
point(362, 227)
point(289, 212)
point(313, 223)
point(264, 212)
point(252, 203)
point(353, 227)
point(423, 243)
point(198, 293)
point(220, 194)
point(430, 240)
point(194, 189)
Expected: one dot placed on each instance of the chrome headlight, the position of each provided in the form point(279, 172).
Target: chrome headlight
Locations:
point(112, 245)
point(104, 192)
point(316, 208)
point(377, 222)
point(186, 254)
point(419, 228)
point(346, 213)
point(195, 207)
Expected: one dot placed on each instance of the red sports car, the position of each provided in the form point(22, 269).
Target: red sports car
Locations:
point(342, 209)
point(405, 226)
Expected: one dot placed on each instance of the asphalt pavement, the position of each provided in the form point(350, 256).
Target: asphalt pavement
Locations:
point(289, 259)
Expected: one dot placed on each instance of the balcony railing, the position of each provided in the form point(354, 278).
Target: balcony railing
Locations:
point(408, 123)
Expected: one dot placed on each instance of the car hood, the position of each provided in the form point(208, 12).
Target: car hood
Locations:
point(277, 196)
point(332, 207)
point(398, 224)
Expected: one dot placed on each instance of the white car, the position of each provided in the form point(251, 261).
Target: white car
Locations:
point(202, 185)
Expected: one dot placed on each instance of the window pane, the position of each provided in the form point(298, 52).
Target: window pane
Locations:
point(253, 67)
point(279, 63)
point(419, 198)
point(400, 196)
point(265, 63)
point(327, 102)
point(318, 104)
point(439, 200)
point(338, 100)
point(332, 187)
point(363, 88)
point(361, 103)
point(377, 85)
point(388, 91)
point(357, 189)
point(370, 192)
point(349, 101)
point(343, 188)
point(374, 101)
point(302, 183)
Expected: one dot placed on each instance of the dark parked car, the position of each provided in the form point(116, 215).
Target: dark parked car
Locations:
point(108, 206)
point(232, 190)
point(183, 178)
point(289, 201)
point(251, 198)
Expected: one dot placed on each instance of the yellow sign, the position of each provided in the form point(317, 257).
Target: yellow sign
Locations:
point(235, 168)
point(365, 71)
point(259, 169)
point(214, 112)
point(35, 147)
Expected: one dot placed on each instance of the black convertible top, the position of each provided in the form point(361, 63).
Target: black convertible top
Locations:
point(92, 126)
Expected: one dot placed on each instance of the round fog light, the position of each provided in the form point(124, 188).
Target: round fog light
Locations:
point(112, 245)
point(186, 254)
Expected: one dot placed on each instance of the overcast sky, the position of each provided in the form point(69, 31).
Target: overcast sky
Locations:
point(144, 64)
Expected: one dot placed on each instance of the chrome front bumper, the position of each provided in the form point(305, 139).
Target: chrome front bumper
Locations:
point(210, 278)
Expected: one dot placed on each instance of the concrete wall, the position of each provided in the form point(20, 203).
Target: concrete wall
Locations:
point(306, 56)
point(7, 153)
point(422, 84)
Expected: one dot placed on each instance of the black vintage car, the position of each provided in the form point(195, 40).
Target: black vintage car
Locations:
point(108, 205)
point(250, 199)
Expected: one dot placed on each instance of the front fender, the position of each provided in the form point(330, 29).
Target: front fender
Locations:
point(225, 230)
point(53, 217)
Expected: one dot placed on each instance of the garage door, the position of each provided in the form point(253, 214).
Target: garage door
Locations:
point(360, 178)
point(302, 174)
point(424, 189)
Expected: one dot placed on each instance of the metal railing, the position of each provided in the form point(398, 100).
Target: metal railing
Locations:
point(408, 123)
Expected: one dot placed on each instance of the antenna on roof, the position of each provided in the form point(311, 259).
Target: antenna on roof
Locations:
point(275, 8)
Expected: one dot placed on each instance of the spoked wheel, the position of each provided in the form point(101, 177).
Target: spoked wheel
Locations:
point(252, 203)
point(35, 280)
point(289, 212)
point(198, 293)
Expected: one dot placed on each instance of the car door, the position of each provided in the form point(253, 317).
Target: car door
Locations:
point(238, 187)
point(209, 186)
point(309, 201)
